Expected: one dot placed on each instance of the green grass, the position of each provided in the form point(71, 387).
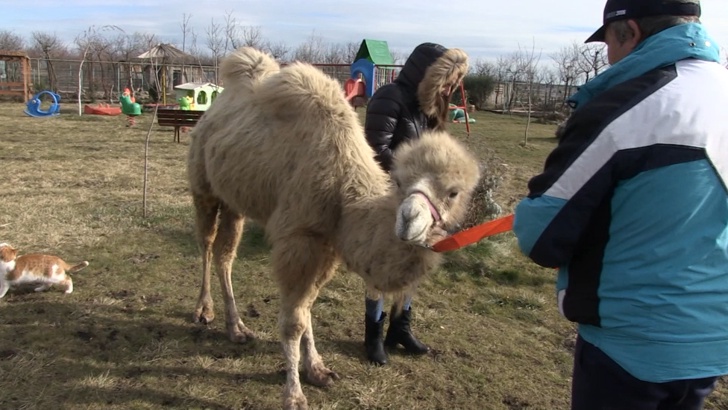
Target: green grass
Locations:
point(124, 339)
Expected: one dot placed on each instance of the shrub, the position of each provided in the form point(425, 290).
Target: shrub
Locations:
point(483, 207)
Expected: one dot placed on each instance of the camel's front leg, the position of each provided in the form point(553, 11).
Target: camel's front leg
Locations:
point(293, 324)
point(230, 228)
point(316, 372)
point(302, 265)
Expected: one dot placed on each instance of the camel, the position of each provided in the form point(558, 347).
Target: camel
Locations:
point(283, 147)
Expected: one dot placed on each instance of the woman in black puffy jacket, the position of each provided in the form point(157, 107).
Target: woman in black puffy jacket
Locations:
point(416, 101)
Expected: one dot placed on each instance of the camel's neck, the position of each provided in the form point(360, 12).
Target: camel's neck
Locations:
point(369, 247)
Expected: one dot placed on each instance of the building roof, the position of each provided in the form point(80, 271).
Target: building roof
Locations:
point(166, 52)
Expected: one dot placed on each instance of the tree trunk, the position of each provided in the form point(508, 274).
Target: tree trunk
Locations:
point(528, 118)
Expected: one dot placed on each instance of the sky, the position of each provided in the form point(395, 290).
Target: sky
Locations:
point(485, 29)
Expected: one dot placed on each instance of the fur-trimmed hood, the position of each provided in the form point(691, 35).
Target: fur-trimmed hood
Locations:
point(428, 68)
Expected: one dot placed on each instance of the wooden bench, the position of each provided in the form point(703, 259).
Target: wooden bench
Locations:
point(167, 117)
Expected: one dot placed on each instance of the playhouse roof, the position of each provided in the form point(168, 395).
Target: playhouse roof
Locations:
point(195, 86)
point(376, 51)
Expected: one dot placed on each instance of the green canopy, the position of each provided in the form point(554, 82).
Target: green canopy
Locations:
point(376, 51)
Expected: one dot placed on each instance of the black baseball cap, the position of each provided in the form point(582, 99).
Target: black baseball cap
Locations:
point(633, 9)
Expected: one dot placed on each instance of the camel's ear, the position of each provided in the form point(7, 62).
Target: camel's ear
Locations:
point(7, 253)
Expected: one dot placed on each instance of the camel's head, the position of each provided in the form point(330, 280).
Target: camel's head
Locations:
point(435, 177)
point(7, 258)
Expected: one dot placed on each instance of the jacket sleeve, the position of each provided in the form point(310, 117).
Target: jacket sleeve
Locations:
point(383, 113)
point(564, 200)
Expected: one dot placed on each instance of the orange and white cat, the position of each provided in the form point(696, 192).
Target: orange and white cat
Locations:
point(44, 270)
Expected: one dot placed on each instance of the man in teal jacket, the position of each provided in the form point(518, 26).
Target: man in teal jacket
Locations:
point(632, 207)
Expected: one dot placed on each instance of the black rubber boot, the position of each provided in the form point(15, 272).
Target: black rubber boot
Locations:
point(373, 336)
point(400, 333)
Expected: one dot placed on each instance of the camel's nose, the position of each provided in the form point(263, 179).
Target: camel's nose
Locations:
point(454, 228)
point(413, 220)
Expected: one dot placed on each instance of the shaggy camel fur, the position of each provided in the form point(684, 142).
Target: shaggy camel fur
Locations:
point(284, 148)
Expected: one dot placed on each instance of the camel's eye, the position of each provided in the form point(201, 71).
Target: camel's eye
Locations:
point(453, 194)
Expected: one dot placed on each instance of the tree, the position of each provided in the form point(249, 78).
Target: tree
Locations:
point(278, 50)
point(335, 54)
point(509, 74)
point(238, 36)
point(126, 47)
point(591, 59)
point(478, 87)
point(194, 48)
point(399, 57)
point(91, 40)
point(252, 37)
point(548, 78)
point(50, 46)
point(216, 44)
point(11, 41)
point(528, 64)
point(483, 67)
point(186, 30)
point(351, 48)
point(567, 68)
point(312, 50)
point(230, 32)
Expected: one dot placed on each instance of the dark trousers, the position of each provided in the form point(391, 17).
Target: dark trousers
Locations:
point(599, 383)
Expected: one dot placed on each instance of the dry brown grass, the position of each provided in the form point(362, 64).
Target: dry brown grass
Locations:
point(124, 339)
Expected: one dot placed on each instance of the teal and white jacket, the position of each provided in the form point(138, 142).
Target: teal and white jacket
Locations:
point(632, 207)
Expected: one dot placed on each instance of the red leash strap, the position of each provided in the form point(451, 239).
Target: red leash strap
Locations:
point(474, 234)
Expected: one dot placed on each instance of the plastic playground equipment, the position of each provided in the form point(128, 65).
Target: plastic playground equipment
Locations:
point(130, 107)
point(372, 67)
point(196, 96)
point(355, 92)
point(101, 109)
point(459, 113)
point(186, 103)
point(33, 106)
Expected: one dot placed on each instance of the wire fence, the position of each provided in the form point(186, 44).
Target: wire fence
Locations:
point(106, 80)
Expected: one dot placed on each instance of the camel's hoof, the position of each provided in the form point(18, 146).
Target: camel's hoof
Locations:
point(297, 402)
point(203, 315)
point(322, 377)
point(238, 333)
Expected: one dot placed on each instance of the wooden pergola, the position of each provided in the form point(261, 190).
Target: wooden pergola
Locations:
point(16, 70)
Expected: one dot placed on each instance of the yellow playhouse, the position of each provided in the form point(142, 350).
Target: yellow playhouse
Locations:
point(196, 96)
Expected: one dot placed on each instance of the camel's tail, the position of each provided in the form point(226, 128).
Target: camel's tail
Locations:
point(77, 267)
point(245, 67)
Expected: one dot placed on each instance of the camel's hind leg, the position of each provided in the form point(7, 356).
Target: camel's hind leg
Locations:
point(206, 209)
point(229, 231)
point(302, 265)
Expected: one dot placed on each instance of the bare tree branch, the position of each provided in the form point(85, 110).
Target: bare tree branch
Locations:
point(313, 50)
point(11, 41)
point(232, 41)
point(91, 41)
point(215, 42)
point(279, 50)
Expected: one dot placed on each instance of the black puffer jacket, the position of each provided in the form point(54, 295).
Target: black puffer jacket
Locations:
point(413, 103)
